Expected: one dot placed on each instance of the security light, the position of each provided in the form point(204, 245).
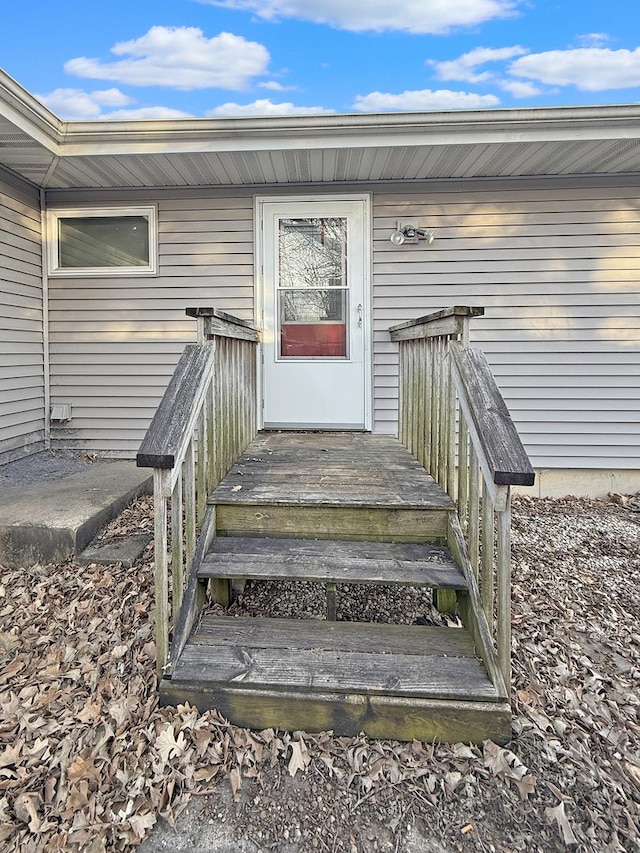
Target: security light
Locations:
point(411, 234)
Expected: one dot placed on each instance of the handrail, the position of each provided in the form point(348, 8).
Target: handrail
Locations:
point(453, 418)
point(495, 437)
point(206, 418)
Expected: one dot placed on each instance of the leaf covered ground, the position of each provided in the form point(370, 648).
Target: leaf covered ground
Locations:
point(88, 762)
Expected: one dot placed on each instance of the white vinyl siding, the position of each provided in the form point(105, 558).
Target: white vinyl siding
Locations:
point(557, 270)
point(115, 342)
point(556, 265)
point(22, 415)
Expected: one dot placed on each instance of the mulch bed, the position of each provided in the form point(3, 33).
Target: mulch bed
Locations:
point(88, 761)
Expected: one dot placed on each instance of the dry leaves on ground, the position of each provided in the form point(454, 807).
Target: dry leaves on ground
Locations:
point(89, 763)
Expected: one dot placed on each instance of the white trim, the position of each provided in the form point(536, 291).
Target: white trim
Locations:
point(46, 356)
point(259, 285)
point(54, 215)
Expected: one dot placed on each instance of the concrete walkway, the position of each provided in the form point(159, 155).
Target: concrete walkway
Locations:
point(52, 506)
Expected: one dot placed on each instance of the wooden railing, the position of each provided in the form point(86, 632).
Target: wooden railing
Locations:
point(454, 420)
point(206, 418)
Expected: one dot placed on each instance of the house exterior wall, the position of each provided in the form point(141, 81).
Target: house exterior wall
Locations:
point(555, 263)
point(22, 395)
point(114, 342)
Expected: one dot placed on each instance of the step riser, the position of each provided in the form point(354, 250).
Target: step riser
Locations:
point(349, 714)
point(374, 524)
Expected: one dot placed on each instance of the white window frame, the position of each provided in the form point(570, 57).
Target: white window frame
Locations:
point(54, 215)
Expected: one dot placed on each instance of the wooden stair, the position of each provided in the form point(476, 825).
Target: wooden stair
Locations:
point(334, 509)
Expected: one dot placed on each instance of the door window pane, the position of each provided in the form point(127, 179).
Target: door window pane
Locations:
point(312, 252)
point(313, 323)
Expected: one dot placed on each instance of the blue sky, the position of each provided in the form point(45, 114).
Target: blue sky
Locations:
point(121, 59)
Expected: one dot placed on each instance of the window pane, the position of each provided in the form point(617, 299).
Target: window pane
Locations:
point(312, 306)
point(103, 241)
point(312, 252)
point(312, 324)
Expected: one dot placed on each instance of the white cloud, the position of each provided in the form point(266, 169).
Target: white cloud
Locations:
point(593, 39)
point(519, 88)
point(147, 113)
point(465, 66)
point(424, 99)
point(180, 57)
point(264, 107)
point(414, 16)
point(76, 104)
point(274, 86)
point(589, 69)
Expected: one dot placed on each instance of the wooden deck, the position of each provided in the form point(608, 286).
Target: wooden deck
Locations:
point(334, 508)
point(331, 485)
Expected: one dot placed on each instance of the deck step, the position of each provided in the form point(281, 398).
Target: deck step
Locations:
point(344, 486)
point(400, 681)
point(331, 561)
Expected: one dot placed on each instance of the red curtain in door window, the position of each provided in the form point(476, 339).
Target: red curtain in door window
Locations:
point(305, 340)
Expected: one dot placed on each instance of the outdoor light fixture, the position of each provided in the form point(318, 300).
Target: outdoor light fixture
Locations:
point(411, 234)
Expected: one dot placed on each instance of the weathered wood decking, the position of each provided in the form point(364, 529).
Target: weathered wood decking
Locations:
point(334, 508)
point(331, 485)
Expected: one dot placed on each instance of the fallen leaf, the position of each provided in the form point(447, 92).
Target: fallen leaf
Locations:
point(297, 760)
point(141, 824)
point(26, 808)
point(558, 815)
point(526, 785)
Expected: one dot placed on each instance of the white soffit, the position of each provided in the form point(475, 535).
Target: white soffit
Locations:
point(306, 149)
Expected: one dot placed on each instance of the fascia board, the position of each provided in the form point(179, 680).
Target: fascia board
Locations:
point(359, 131)
point(29, 115)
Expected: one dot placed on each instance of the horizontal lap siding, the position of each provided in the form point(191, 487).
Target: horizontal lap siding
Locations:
point(558, 273)
point(116, 341)
point(555, 266)
point(22, 415)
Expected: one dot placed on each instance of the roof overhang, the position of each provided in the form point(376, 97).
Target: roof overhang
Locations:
point(559, 141)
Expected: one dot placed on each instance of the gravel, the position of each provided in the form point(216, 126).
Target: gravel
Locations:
point(88, 762)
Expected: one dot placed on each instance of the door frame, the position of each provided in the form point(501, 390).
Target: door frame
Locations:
point(259, 286)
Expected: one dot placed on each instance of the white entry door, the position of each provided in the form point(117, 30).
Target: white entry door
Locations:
point(315, 313)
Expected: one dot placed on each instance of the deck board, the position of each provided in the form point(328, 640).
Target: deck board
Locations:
point(330, 469)
point(309, 657)
point(332, 561)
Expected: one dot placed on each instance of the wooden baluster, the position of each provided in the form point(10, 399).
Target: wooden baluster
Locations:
point(201, 466)
point(463, 474)
point(402, 393)
point(161, 569)
point(451, 430)
point(474, 509)
point(442, 415)
point(503, 592)
point(428, 403)
point(189, 499)
point(420, 401)
point(435, 408)
point(486, 577)
point(177, 548)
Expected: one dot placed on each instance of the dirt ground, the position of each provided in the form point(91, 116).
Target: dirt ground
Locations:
point(88, 762)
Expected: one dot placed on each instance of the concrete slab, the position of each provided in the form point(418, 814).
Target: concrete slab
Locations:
point(53, 520)
point(125, 551)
